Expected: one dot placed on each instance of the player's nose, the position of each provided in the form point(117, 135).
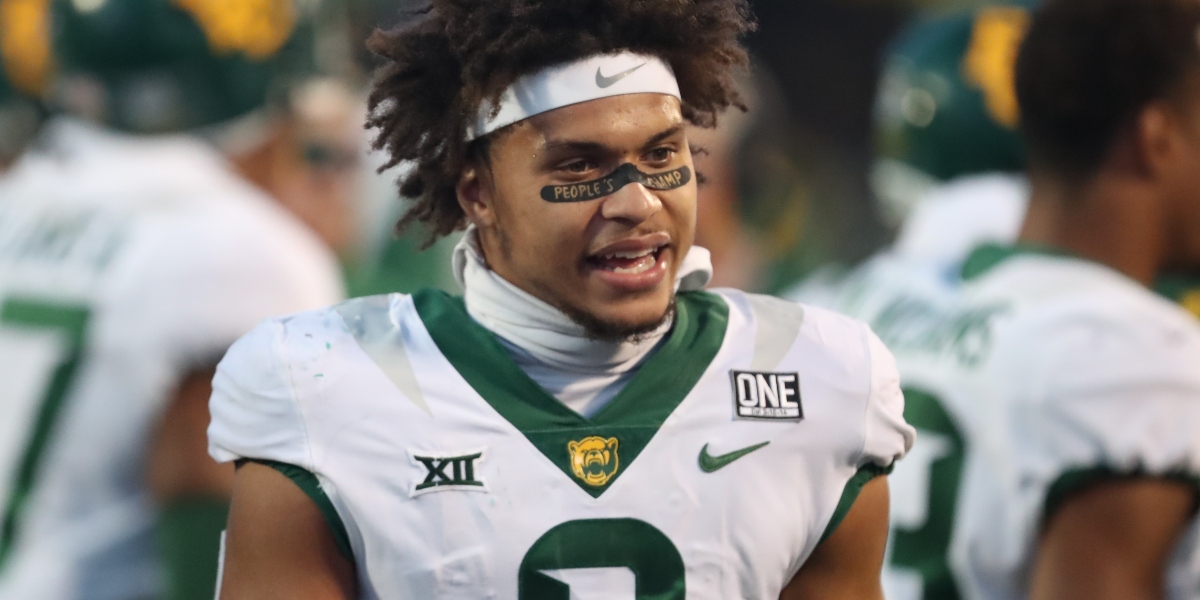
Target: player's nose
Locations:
point(633, 203)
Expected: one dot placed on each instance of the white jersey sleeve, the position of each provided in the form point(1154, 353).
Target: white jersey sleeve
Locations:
point(255, 412)
point(887, 436)
point(1119, 392)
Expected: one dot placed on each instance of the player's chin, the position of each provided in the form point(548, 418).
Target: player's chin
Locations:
point(625, 319)
point(623, 299)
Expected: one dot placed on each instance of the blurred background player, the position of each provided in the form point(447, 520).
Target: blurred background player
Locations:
point(752, 202)
point(948, 173)
point(1110, 95)
point(195, 182)
point(1057, 397)
point(949, 176)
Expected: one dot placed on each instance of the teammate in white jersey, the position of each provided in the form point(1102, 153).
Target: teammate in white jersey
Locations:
point(1057, 397)
point(129, 263)
point(586, 422)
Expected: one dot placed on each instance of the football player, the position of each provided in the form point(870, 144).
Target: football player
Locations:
point(949, 167)
point(586, 421)
point(1057, 397)
point(135, 247)
point(1126, 158)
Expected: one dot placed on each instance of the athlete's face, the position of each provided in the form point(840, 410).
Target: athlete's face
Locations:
point(311, 166)
point(610, 262)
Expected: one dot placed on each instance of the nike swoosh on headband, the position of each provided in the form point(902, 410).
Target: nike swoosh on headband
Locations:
point(604, 82)
point(589, 78)
point(621, 177)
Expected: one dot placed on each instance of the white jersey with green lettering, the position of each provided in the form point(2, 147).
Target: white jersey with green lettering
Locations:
point(1040, 375)
point(125, 263)
point(446, 472)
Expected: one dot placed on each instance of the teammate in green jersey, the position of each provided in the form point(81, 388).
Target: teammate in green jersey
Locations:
point(586, 422)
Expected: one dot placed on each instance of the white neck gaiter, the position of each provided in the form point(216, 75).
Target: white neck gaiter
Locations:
point(544, 332)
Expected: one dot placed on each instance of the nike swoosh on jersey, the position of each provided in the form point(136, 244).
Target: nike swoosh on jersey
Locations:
point(709, 463)
point(604, 82)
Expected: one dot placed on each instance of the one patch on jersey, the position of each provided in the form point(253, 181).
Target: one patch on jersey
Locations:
point(768, 396)
point(446, 472)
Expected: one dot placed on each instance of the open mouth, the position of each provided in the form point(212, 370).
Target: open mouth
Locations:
point(628, 262)
point(633, 265)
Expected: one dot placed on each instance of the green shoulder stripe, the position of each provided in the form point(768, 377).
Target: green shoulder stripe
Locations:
point(850, 493)
point(591, 452)
point(312, 488)
point(988, 256)
point(1077, 480)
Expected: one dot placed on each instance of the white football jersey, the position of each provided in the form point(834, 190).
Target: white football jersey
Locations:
point(446, 472)
point(1044, 374)
point(947, 223)
point(959, 215)
point(125, 263)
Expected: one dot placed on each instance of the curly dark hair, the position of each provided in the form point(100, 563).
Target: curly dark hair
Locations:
point(1087, 68)
point(453, 55)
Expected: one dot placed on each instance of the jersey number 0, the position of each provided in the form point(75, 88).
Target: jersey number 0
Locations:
point(612, 558)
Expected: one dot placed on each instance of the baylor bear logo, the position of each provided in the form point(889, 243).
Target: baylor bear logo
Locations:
point(594, 459)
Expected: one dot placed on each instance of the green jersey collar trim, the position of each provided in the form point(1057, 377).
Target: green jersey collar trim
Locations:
point(854, 486)
point(987, 256)
point(591, 452)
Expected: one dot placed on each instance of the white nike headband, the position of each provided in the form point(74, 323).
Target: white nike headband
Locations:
point(571, 83)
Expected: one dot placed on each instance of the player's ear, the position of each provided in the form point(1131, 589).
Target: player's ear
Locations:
point(1157, 138)
point(475, 197)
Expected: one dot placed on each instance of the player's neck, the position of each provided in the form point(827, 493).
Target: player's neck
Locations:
point(537, 328)
point(1106, 219)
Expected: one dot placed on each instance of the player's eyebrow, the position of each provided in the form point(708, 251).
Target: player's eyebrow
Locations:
point(553, 145)
point(666, 133)
point(575, 146)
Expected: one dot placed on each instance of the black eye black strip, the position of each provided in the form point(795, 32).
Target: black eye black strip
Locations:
point(623, 176)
